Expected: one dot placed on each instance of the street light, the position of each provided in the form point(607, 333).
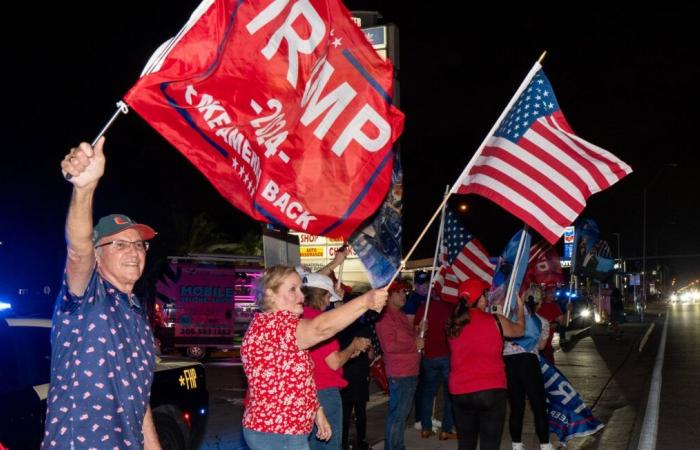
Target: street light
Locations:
point(644, 236)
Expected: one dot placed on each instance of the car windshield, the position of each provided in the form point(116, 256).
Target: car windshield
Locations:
point(25, 359)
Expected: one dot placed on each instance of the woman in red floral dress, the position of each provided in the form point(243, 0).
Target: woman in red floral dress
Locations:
point(282, 406)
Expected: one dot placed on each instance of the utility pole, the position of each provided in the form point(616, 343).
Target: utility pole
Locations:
point(644, 279)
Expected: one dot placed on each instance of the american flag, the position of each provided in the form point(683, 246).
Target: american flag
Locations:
point(536, 168)
point(461, 257)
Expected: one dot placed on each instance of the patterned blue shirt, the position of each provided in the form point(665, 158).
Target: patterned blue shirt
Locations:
point(102, 364)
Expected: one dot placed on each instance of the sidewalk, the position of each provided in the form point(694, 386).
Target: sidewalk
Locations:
point(590, 372)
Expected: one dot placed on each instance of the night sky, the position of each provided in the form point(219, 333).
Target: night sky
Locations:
point(626, 80)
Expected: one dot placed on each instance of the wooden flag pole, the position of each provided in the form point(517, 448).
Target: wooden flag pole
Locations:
point(441, 230)
point(425, 230)
point(530, 75)
point(536, 67)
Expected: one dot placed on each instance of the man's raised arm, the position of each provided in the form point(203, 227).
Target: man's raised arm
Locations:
point(85, 165)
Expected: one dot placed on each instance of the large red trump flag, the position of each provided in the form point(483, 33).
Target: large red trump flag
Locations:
point(283, 105)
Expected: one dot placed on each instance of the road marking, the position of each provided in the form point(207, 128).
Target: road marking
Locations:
point(647, 439)
point(646, 336)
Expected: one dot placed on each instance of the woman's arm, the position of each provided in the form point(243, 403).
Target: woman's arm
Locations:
point(337, 261)
point(326, 325)
point(336, 360)
point(544, 335)
point(517, 328)
point(324, 432)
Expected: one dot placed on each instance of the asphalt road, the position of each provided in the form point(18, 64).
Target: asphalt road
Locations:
point(679, 416)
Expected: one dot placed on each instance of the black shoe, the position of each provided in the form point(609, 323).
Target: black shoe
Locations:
point(363, 446)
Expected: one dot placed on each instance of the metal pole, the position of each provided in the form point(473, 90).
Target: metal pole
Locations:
point(514, 272)
point(122, 108)
point(644, 257)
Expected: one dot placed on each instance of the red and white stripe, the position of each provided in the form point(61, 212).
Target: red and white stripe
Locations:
point(471, 262)
point(545, 178)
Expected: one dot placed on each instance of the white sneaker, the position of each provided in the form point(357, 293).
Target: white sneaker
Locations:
point(418, 426)
point(518, 446)
point(547, 446)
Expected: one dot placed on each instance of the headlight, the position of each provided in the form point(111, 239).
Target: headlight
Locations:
point(586, 313)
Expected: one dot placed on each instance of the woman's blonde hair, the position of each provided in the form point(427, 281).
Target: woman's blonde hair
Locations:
point(315, 297)
point(272, 279)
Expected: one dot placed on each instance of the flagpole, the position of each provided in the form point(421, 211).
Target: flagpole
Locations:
point(340, 272)
point(122, 108)
point(514, 272)
point(441, 231)
point(536, 67)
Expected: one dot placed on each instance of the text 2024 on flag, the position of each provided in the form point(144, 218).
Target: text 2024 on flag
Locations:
point(535, 167)
point(283, 105)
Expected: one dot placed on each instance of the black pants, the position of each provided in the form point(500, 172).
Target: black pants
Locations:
point(360, 407)
point(480, 416)
point(525, 379)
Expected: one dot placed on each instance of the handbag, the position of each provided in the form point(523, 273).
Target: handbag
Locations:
point(377, 371)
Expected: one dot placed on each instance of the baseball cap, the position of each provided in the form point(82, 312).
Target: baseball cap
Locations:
point(321, 281)
point(114, 223)
point(421, 277)
point(472, 289)
point(398, 285)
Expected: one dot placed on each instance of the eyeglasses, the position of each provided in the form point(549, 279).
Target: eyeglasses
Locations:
point(120, 245)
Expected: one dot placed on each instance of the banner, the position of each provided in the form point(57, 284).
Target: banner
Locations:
point(592, 255)
point(569, 417)
point(284, 106)
point(379, 243)
point(543, 267)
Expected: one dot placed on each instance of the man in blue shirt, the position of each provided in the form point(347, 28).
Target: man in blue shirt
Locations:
point(103, 355)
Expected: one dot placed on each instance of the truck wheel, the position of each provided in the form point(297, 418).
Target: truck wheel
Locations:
point(198, 353)
point(169, 432)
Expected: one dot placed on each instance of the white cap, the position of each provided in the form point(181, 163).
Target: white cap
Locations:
point(321, 281)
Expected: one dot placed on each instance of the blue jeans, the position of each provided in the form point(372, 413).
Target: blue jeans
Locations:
point(333, 408)
point(257, 440)
point(435, 373)
point(401, 391)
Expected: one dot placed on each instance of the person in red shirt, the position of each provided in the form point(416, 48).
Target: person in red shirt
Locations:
point(400, 345)
point(477, 373)
point(328, 359)
point(550, 311)
point(435, 367)
point(282, 404)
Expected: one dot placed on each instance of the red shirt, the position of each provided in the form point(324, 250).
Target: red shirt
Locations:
point(325, 376)
point(398, 340)
point(439, 312)
point(476, 363)
point(281, 389)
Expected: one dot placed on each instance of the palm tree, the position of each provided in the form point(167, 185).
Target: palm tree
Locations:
point(249, 245)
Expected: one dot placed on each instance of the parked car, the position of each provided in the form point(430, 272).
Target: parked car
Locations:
point(179, 398)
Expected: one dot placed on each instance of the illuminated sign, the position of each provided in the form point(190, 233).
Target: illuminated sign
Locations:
point(317, 251)
point(569, 238)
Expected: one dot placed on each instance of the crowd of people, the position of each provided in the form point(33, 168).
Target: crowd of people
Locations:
point(307, 357)
point(307, 363)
